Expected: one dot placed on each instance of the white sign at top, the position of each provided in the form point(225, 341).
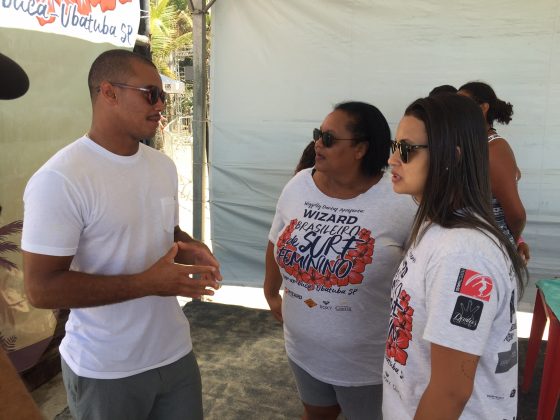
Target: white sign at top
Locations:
point(112, 21)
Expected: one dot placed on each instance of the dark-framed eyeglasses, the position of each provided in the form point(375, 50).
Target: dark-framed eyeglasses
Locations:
point(404, 148)
point(328, 138)
point(153, 93)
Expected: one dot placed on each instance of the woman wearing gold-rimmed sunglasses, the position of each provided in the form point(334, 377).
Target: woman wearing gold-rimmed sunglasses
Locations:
point(451, 348)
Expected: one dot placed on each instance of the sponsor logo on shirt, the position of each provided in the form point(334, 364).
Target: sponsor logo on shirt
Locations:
point(511, 333)
point(292, 294)
point(343, 308)
point(474, 284)
point(325, 305)
point(512, 393)
point(386, 377)
point(509, 337)
point(507, 359)
point(467, 312)
point(310, 302)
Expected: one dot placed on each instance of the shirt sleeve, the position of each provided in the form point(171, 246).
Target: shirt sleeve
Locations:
point(277, 222)
point(52, 221)
point(461, 301)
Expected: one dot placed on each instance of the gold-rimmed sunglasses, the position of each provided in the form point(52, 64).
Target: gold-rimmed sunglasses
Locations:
point(404, 148)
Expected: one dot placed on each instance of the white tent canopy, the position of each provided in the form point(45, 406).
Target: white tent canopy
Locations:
point(278, 67)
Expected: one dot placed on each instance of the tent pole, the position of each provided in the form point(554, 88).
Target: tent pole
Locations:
point(209, 5)
point(200, 88)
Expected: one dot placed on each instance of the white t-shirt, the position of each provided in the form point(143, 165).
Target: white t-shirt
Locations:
point(115, 215)
point(458, 290)
point(337, 258)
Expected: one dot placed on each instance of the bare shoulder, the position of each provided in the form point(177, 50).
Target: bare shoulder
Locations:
point(500, 152)
point(499, 144)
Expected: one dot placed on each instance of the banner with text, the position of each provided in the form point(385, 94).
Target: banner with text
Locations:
point(112, 21)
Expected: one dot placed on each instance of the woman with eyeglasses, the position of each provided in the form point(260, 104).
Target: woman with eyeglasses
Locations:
point(504, 173)
point(452, 342)
point(335, 243)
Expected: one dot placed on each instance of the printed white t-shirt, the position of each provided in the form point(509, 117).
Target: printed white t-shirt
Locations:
point(115, 215)
point(458, 290)
point(337, 258)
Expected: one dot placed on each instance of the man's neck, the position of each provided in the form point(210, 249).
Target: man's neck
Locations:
point(121, 145)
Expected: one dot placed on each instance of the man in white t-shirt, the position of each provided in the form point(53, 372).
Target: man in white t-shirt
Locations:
point(101, 237)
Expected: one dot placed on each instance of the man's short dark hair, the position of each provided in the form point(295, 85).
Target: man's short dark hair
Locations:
point(113, 65)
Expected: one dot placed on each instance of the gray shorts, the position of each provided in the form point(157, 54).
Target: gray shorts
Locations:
point(169, 392)
point(356, 402)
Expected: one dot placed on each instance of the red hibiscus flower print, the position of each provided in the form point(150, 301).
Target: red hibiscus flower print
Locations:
point(329, 279)
point(312, 277)
point(355, 277)
point(404, 320)
point(343, 281)
point(400, 355)
point(404, 298)
point(400, 327)
point(364, 234)
point(299, 273)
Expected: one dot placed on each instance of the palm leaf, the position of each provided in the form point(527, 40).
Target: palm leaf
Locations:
point(171, 30)
point(11, 228)
point(8, 247)
point(6, 264)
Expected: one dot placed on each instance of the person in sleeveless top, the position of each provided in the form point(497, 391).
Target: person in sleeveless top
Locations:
point(504, 173)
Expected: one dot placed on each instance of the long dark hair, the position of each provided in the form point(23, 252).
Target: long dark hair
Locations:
point(368, 124)
point(457, 193)
point(497, 109)
point(307, 159)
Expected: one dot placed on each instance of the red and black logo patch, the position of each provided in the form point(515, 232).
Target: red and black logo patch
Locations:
point(474, 284)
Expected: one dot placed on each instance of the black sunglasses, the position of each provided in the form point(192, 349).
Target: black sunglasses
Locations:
point(405, 148)
point(328, 138)
point(153, 92)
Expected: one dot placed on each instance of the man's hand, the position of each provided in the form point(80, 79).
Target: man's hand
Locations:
point(201, 255)
point(172, 279)
point(50, 283)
